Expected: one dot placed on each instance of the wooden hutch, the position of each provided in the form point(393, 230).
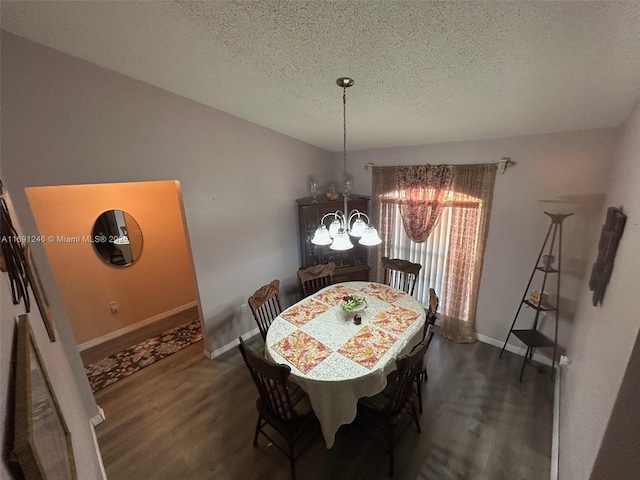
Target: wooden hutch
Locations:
point(351, 265)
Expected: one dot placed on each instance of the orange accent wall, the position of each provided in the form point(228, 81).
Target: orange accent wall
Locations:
point(161, 280)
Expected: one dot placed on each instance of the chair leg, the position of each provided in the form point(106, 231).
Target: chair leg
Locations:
point(255, 437)
point(292, 459)
point(415, 417)
point(390, 433)
point(419, 387)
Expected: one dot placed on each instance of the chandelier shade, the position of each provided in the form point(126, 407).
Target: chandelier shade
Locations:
point(358, 227)
point(341, 227)
point(370, 237)
point(341, 242)
point(322, 236)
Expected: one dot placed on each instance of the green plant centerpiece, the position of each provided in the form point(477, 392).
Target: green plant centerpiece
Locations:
point(353, 303)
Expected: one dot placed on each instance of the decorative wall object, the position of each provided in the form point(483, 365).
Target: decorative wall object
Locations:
point(609, 240)
point(39, 293)
point(42, 443)
point(13, 257)
point(117, 238)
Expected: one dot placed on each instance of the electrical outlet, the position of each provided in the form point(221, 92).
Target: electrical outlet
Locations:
point(114, 307)
point(243, 308)
point(564, 361)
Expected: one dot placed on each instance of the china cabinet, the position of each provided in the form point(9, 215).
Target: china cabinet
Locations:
point(351, 265)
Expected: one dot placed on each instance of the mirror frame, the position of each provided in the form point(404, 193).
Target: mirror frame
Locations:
point(107, 232)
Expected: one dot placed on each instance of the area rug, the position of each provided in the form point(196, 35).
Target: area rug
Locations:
point(122, 364)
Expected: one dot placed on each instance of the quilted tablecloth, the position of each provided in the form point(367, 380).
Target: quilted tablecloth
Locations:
point(336, 361)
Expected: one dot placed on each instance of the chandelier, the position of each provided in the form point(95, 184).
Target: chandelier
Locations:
point(343, 224)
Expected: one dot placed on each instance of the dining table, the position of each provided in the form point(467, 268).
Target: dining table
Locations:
point(337, 361)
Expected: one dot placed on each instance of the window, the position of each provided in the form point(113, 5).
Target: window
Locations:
point(445, 209)
point(431, 254)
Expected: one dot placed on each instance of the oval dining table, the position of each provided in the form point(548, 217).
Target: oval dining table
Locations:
point(337, 361)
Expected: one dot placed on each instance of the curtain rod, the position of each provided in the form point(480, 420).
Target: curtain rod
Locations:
point(502, 164)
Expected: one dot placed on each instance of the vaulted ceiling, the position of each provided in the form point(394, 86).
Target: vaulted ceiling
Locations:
point(424, 71)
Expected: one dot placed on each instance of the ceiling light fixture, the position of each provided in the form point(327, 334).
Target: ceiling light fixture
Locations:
point(341, 227)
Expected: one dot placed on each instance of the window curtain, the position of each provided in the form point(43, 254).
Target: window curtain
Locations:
point(468, 191)
point(422, 193)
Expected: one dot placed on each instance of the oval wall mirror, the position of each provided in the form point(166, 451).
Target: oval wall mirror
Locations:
point(117, 238)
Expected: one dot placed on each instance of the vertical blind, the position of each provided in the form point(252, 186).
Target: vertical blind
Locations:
point(431, 253)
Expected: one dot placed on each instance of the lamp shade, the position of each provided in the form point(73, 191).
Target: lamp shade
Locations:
point(335, 226)
point(321, 237)
point(370, 237)
point(341, 241)
point(358, 227)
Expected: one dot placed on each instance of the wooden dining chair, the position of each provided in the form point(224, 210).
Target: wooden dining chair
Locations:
point(316, 277)
point(421, 377)
point(434, 301)
point(282, 405)
point(427, 334)
point(386, 410)
point(265, 306)
point(400, 274)
point(431, 312)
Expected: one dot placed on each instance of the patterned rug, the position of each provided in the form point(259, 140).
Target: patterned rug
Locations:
point(122, 364)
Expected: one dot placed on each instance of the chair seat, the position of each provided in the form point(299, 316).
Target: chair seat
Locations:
point(300, 400)
point(378, 403)
point(306, 417)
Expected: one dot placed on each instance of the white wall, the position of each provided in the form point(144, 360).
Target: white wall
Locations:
point(547, 166)
point(603, 337)
point(66, 121)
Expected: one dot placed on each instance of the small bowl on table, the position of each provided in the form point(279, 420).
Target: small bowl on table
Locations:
point(354, 304)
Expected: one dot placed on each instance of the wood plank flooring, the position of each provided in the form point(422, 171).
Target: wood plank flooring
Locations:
point(187, 417)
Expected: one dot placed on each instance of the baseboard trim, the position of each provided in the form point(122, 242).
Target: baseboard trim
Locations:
point(225, 348)
point(513, 349)
point(131, 328)
point(96, 445)
point(555, 436)
point(99, 417)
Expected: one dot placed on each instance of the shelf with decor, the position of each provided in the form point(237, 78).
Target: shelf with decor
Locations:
point(538, 300)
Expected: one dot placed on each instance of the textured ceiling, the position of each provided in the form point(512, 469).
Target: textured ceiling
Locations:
point(424, 71)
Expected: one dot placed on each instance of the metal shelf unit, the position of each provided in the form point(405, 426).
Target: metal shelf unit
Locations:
point(532, 337)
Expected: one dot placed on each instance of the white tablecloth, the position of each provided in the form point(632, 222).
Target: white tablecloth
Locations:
point(336, 361)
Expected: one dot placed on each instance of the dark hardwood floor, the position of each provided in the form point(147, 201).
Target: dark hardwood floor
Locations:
point(186, 417)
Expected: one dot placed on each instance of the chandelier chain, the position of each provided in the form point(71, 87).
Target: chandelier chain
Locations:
point(344, 130)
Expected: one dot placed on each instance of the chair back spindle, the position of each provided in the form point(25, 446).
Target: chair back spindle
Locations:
point(281, 404)
point(265, 306)
point(408, 367)
point(316, 277)
point(271, 381)
point(400, 274)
